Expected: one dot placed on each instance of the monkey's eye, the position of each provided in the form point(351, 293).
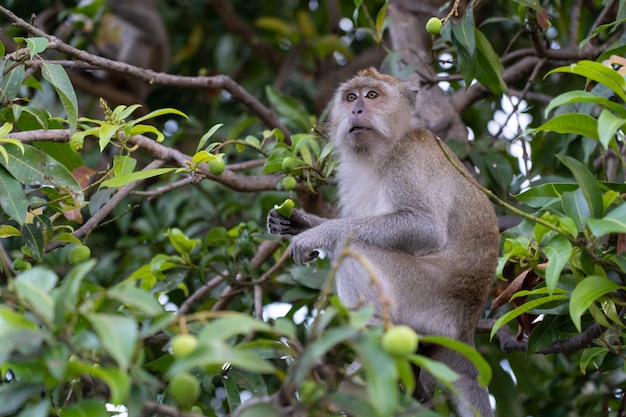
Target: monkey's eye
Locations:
point(371, 94)
point(351, 97)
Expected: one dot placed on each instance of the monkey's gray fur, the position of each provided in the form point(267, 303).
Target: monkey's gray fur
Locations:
point(430, 234)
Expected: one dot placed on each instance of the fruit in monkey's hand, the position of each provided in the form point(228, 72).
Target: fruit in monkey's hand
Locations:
point(289, 183)
point(434, 25)
point(184, 389)
point(400, 340)
point(183, 345)
point(216, 166)
point(78, 254)
point(286, 208)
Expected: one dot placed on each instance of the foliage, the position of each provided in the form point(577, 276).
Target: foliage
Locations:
point(124, 226)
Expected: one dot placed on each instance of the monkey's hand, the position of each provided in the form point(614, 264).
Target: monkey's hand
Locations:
point(280, 225)
point(303, 249)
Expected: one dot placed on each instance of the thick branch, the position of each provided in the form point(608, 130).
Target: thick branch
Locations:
point(151, 77)
point(509, 342)
point(170, 155)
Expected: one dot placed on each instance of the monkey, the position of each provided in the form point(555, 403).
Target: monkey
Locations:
point(430, 235)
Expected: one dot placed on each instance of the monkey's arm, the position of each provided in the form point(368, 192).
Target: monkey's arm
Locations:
point(416, 234)
point(298, 222)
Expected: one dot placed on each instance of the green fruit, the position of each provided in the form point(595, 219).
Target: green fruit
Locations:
point(289, 183)
point(288, 165)
point(21, 265)
point(286, 208)
point(183, 345)
point(185, 390)
point(79, 254)
point(196, 410)
point(400, 340)
point(216, 166)
point(434, 25)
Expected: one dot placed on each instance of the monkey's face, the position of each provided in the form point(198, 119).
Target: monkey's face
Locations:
point(369, 114)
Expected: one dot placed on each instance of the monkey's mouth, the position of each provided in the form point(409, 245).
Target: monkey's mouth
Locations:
point(358, 129)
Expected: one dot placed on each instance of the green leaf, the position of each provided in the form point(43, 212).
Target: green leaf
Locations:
point(578, 124)
point(588, 291)
point(380, 373)
point(55, 74)
point(181, 242)
point(117, 335)
point(18, 334)
point(156, 113)
point(613, 222)
point(226, 327)
point(439, 370)
point(217, 353)
point(380, 22)
point(319, 348)
point(545, 194)
point(66, 295)
point(105, 133)
point(597, 72)
point(118, 381)
point(33, 236)
point(489, 68)
point(39, 409)
point(136, 298)
point(136, 176)
point(36, 168)
point(141, 129)
point(580, 96)
point(207, 136)
point(464, 32)
point(14, 395)
point(13, 199)
point(558, 251)
point(482, 366)
point(289, 108)
point(123, 165)
point(85, 408)
point(36, 45)
point(34, 286)
point(524, 308)
point(575, 206)
point(595, 354)
point(11, 83)
point(608, 125)
point(588, 184)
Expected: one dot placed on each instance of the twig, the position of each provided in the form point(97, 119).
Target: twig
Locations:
point(166, 188)
point(264, 252)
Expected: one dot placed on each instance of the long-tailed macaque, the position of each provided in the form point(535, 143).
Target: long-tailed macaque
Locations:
point(430, 234)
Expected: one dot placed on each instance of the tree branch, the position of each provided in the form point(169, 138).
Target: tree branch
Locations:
point(170, 155)
point(151, 77)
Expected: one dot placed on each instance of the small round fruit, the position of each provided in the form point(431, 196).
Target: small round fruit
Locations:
point(434, 25)
point(21, 265)
point(216, 166)
point(286, 208)
point(79, 254)
point(400, 340)
point(183, 345)
point(288, 165)
point(289, 183)
point(196, 410)
point(185, 390)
